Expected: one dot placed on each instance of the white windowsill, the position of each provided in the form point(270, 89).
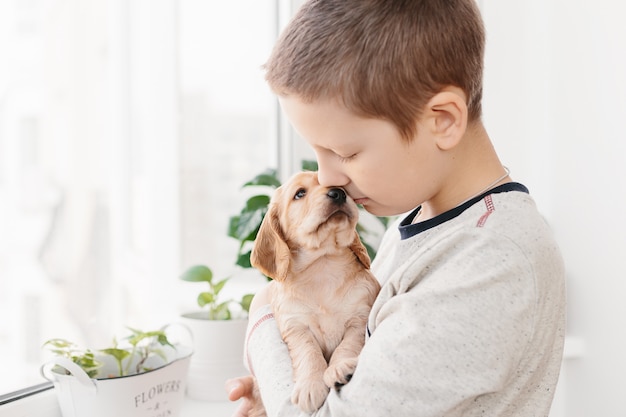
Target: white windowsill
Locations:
point(45, 404)
point(193, 408)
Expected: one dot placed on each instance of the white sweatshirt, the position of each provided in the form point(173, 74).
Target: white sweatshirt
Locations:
point(470, 320)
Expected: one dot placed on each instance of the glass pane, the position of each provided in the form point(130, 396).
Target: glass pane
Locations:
point(126, 132)
point(227, 119)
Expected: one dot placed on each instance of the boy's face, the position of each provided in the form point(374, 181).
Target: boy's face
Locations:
point(368, 157)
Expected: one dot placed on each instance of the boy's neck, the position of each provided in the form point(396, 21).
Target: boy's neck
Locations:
point(474, 168)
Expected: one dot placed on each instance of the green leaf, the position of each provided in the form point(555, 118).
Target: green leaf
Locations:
point(118, 354)
point(233, 223)
point(251, 217)
point(89, 364)
point(245, 302)
point(139, 335)
point(198, 273)
point(309, 165)
point(162, 339)
point(268, 178)
point(218, 287)
point(245, 226)
point(205, 298)
point(58, 343)
point(256, 202)
point(221, 312)
point(243, 260)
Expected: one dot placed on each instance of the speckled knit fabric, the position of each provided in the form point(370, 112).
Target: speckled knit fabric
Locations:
point(469, 322)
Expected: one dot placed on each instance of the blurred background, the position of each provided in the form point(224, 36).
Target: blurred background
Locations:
point(127, 128)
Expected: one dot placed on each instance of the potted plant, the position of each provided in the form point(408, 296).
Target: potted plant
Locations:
point(144, 375)
point(214, 307)
point(218, 331)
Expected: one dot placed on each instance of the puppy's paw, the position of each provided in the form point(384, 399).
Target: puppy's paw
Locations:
point(340, 373)
point(309, 394)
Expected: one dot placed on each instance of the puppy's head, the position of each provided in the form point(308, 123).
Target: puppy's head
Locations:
point(305, 216)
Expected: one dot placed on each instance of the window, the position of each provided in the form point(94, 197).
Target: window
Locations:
point(126, 131)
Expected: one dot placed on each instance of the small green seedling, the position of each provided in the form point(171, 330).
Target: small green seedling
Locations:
point(142, 345)
point(85, 358)
point(217, 309)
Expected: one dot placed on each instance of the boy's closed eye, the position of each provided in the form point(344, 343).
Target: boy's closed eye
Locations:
point(346, 158)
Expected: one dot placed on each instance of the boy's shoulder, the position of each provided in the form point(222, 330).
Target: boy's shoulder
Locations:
point(510, 200)
point(505, 225)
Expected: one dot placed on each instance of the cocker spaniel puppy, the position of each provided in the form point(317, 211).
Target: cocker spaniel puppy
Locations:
point(323, 289)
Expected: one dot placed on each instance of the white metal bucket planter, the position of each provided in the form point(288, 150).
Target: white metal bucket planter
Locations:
point(156, 393)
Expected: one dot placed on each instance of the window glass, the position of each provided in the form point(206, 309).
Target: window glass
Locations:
point(126, 131)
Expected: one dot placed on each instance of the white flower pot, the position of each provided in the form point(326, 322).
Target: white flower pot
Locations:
point(218, 355)
point(159, 392)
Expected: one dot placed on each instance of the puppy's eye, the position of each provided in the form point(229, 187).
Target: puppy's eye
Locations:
point(299, 194)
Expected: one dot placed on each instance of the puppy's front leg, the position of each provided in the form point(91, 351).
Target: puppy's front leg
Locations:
point(345, 357)
point(309, 364)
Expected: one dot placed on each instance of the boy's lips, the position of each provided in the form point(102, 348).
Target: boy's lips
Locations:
point(361, 200)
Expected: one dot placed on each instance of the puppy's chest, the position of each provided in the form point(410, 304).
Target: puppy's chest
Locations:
point(326, 321)
point(328, 331)
point(307, 312)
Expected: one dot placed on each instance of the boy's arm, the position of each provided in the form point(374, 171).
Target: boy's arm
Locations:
point(434, 351)
point(267, 358)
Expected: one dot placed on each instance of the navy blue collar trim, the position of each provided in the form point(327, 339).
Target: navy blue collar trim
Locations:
point(408, 230)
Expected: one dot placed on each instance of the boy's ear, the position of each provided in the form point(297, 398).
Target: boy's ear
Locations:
point(448, 117)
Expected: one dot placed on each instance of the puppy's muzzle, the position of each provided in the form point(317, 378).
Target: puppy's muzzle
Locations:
point(337, 196)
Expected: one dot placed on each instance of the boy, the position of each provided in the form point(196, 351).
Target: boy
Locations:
point(470, 318)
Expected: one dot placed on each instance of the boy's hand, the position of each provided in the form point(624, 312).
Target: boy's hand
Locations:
point(241, 388)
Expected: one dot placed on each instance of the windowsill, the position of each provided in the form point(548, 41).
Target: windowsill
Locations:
point(44, 403)
point(192, 408)
point(41, 404)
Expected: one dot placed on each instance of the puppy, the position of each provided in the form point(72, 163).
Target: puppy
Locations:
point(323, 290)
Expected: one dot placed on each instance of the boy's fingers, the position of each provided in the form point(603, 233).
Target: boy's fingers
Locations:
point(243, 410)
point(239, 387)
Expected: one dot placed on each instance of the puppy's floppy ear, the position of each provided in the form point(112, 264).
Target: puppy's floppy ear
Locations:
point(270, 253)
point(360, 251)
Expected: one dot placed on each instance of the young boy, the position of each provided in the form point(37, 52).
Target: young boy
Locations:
point(470, 318)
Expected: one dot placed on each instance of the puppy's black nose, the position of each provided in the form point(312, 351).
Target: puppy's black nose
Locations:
point(337, 195)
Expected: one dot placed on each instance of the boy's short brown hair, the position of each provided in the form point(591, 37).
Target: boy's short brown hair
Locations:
point(382, 58)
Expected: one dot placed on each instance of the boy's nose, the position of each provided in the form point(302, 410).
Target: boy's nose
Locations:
point(329, 175)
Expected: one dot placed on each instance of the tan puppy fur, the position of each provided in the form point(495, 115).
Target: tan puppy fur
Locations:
point(322, 290)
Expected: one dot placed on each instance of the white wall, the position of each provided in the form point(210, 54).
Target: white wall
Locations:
point(555, 105)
